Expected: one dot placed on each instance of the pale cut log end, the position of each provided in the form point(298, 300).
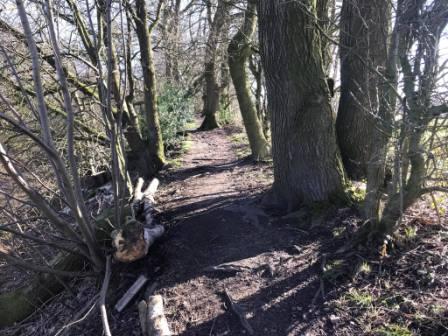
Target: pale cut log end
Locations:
point(157, 322)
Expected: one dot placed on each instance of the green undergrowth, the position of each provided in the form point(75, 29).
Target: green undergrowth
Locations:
point(185, 146)
point(226, 115)
point(240, 145)
point(398, 293)
point(176, 116)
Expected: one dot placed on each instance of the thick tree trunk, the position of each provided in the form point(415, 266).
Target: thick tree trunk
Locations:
point(307, 165)
point(210, 98)
point(212, 89)
point(156, 150)
point(239, 50)
point(363, 37)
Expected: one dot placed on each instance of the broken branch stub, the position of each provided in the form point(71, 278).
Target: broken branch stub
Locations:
point(131, 292)
point(134, 239)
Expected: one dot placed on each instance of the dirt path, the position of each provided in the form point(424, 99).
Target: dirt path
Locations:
point(283, 272)
point(218, 240)
point(211, 206)
point(211, 175)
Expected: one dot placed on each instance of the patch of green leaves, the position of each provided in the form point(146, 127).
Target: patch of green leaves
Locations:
point(176, 113)
point(359, 298)
point(393, 330)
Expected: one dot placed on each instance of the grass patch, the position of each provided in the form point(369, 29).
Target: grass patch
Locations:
point(394, 330)
point(359, 298)
point(334, 270)
point(185, 147)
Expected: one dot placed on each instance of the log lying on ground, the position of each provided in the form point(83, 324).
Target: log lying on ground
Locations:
point(21, 303)
point(18, 304)
point(133, 240)
point(152, 317)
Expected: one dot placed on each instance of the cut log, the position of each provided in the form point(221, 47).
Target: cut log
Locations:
point(133, 240)
point(157, 324)
point(142, 315)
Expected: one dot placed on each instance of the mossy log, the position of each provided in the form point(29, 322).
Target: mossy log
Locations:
point(17, 305)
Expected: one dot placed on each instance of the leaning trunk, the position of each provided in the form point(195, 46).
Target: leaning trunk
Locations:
point(307, 166)
point(239, 51)
point(363, 50)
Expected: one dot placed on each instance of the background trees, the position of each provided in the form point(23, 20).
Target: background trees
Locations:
point(110, 85)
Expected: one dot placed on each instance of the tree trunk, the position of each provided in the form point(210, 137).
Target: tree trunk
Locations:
point(382, 132)
point(323, 18)
point(19, 304)
point(417, 28)
point(210, 98)
point(307, 165)
point(363, 37)
point(211, 86)
point(170, 35)
point(239, 51)
point(139, 153)
point(156, 150)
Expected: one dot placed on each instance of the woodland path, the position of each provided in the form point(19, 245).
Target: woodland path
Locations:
point(283, 272)
point(211, 207)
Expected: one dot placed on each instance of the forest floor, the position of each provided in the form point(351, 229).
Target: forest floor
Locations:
point(284, 272)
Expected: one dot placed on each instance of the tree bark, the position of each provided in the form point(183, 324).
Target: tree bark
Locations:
point(363, 38)
point(211, 86)
point(170, 35)
point(239, 51)
point(156, 150)
point(139, 154)
point(307, 165)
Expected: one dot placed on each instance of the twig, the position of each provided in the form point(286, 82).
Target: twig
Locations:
point(77, 318)
point(103, 293)
point(238, 311)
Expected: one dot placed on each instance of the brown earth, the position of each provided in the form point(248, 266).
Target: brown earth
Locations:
point(284, 272)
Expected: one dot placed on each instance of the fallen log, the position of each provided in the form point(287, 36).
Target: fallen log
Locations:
point(133, 240)
point(18, 304)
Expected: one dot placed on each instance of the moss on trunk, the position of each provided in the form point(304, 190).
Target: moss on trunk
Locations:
point(239, 50)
